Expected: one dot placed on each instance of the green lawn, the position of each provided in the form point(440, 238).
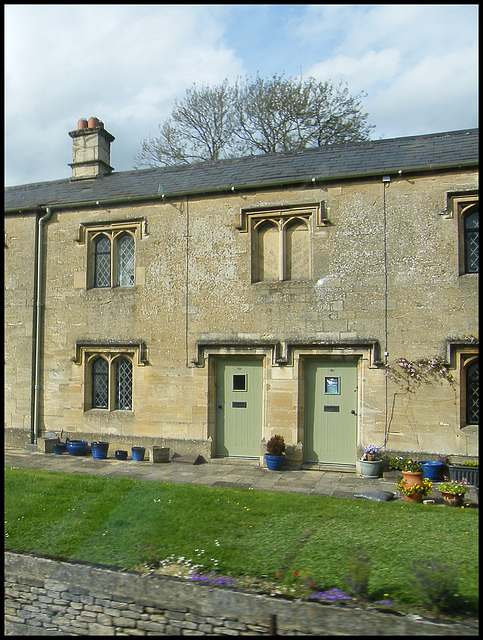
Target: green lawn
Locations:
point(240, 532)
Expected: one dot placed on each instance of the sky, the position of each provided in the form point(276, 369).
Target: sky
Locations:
point(126, 64)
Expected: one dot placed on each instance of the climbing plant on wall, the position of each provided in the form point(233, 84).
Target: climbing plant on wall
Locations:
point(410, 375)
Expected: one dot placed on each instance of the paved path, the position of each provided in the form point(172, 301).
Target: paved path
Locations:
point(215, 474)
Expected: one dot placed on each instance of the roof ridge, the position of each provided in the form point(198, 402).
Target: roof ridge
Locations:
point(428, 152)
point(255, 157)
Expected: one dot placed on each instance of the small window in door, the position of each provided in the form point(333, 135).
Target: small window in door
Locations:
point(332, 385)
point(239, 382)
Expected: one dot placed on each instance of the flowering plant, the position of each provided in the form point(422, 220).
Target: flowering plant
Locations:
point(417, 489)
point(409, 375)
point(414, 467)
point(403, 464)
point(370, 450)
point(454, 487)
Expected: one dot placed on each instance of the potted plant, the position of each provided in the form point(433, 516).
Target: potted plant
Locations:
point(370, 452)
point(396, 463)
point(465, 470)
point(370, 462)
point(414, 492)
point(412, 472)
point(275, 453)
point(453, 492)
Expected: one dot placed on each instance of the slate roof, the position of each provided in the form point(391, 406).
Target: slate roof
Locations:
point(429, 152)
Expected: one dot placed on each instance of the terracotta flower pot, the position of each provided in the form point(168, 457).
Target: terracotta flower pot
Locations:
point(412, 477)
point(417, 497)
point(453, 500)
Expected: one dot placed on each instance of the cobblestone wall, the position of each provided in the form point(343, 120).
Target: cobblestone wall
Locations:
point(51, 597)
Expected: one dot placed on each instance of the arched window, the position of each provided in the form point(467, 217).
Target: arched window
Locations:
point(125, 260)
point(268, 250)
point(472, 393)
point(123, 384)
point(471, 240)
point(296, 250)
point(100, 384)
point(111, 382)
point(102, 262)
point(280, 249)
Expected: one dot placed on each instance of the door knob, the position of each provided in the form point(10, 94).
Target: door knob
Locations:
point(353, 412)
point(220, 407)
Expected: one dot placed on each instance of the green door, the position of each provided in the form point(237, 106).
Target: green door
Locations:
point(239, 408)
point(331, 411)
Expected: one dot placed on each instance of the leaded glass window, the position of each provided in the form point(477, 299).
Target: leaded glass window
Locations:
point(100, 384)
point(123, 384)
point(125, 260)
point(472, 394)
point(472, 241)
point(111, 249)
point(112, 381)
point(102, 266)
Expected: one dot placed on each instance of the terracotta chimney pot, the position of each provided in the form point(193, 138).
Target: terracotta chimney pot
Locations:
point(93, 123)
point(82, 124)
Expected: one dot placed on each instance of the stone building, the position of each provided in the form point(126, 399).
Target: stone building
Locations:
point(208, 307)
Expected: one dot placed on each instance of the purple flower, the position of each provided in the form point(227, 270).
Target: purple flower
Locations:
point(385, 603)
point(333, 595)
point(371, 448)
point(213, 578)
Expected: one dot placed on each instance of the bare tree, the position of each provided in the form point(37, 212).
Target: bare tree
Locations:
point(200, 128)
point(254, 117)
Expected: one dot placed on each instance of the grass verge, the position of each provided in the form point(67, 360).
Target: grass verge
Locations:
point(288, 539)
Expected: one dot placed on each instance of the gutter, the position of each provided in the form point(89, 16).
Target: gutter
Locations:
point(38, 325)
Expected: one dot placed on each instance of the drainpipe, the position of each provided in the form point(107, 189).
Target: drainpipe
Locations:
point(38, 324)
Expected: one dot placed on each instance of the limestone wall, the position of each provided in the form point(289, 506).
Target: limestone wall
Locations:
point(194, 287)
point(19, 313)
point(50, 597)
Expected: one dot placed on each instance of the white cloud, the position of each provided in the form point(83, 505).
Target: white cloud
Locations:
point(417, 63)
point(121, 63)
point(437, 94)
point(412, 28)
point(361, 74)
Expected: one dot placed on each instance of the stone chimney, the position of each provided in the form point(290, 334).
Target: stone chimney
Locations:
point(91, 150)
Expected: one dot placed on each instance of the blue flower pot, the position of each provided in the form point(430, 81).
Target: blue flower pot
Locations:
point(138, 453)
point(99, 450)
point(59, 449)
point(274, 463)
point(77, 447)
point(432, 470)
point(120, 455)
